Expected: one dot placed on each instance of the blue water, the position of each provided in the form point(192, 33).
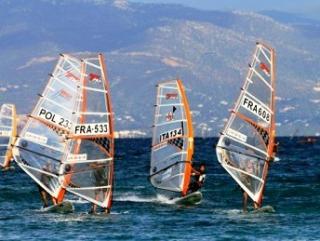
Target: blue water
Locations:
point(293, 189)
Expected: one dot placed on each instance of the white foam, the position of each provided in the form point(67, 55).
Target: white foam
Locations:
point(80, 200)
point(130, 197)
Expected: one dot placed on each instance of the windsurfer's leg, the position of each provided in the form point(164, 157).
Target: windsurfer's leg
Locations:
point(54, 201)
point(255, 205)
point(93, 208)
point(244, 202)
point(43, 196)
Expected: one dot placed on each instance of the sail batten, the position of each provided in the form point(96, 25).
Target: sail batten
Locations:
point(246, 145)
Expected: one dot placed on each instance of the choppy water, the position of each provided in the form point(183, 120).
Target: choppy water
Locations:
point(293, 189)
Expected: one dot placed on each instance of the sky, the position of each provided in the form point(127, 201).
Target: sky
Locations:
point(308, 8)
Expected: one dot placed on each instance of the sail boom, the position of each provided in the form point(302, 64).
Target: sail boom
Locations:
point(89, 188)
point(88, 161)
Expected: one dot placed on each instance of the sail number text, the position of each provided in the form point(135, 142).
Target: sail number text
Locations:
point(54, 118)
point(91, 129)
point(170, 134)
point(256, 108)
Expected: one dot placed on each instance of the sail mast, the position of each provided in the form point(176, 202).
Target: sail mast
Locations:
point(188, 167)
point(273, 121)
point(106, 82)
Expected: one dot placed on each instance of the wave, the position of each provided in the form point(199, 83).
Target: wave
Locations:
point(131, 197)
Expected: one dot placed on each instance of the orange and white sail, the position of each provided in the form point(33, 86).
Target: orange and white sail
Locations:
point(247, 141)
point(8, 132)
point(172, 141)
point(87, 170)
point(68, 141)
point(41, 146)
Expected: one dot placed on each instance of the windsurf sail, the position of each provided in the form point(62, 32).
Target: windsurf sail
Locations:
point(42, 145)
point(87, 170)
point(172, 142)
point(8, 132)
point(247, 141)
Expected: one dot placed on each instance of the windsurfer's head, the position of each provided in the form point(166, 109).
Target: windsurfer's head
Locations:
point(202, 168)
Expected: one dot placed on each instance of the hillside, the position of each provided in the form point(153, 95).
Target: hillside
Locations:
point(147, 43)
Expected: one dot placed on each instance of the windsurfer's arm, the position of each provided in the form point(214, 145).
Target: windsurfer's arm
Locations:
point(194, 172)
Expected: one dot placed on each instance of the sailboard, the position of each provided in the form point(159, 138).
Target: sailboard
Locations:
point(246, 144)
point(62, 207)
point(87, 171)
point(172, 141)
point(191, 198)
point(8, 132)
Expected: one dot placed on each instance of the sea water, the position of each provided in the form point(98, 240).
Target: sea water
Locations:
point(138, 213)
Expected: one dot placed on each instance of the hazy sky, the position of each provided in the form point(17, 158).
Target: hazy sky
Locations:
point(309, 8)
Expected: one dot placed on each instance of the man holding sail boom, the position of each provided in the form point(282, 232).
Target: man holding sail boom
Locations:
point(247, 168)
point(100, 179)
point(46, 180)
point(197, 178)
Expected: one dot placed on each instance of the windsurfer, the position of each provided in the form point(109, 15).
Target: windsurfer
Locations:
point(197, 178)
point(100, 180)
point(251, 169)
point(45, 179)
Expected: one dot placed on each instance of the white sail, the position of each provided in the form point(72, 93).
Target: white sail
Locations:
point(8, 132)
point(246, 142)
point(88, 168)
point(41, 146)
point(172, 142)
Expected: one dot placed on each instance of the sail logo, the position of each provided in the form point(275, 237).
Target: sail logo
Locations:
point(54, 118)
point(265, 69)
point(36, 138)
point(94, 77)
point(236, 134)
point(91, 129)
point(171, 96)
point(170, 134)
point(77, 157)
point(71, 76)
point(64, 94)
point(170, 115)
point(255, 108)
